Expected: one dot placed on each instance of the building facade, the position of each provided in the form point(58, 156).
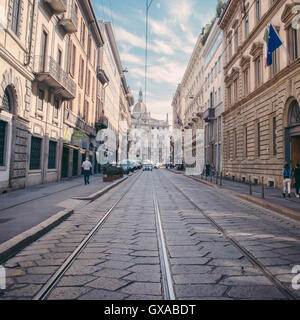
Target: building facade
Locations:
point(149, 137)
point(16, 45)
point(85, 43)
point(189, 102)
point(213, 95)
point(54, 72)
point(261, 120)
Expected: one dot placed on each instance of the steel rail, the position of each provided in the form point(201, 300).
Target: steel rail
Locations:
point(167, 281)
point(51, 283)
point(285, 291)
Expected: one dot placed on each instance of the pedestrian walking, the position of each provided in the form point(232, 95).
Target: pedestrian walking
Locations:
point(87, 167)
point(287, 179)
point(297, 179)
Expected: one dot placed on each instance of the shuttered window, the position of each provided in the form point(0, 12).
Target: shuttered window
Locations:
point(2, 142)
point(52, 155)
point(35, 153)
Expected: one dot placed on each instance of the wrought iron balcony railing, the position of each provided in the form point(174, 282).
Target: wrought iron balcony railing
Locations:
point(48, 71)
point(78, 123)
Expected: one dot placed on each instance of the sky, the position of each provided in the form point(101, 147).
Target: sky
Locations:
point(174, 26)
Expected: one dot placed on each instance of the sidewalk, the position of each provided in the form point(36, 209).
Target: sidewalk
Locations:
point(23, 209)
point(273, 198)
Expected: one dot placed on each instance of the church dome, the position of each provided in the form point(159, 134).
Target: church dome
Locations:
point(140, 107)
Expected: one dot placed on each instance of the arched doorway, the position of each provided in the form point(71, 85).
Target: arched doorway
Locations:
point(292, 134)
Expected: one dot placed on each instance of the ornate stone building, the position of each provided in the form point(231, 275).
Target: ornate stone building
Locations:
point(261, 120)
point(149, 137)
point(16, 46)
point(188, 108)
point(213, 96)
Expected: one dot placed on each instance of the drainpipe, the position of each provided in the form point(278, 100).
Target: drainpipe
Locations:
point(31, 38)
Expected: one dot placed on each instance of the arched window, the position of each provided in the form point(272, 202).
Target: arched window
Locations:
point(6, 102)
point(294, 117)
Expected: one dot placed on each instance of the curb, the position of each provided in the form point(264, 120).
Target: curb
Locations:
point(268, 205)
point(19, 242)
point(202, 181)
point(98, 194)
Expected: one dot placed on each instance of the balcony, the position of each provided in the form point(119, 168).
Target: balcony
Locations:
point(103, 78)
point(78, 123)
point(69, 20)
point(209, 114)
point(48, 71)
point(57, 6)
point(101, 123)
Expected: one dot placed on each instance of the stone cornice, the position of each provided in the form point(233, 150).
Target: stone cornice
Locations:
point(257, 29)
point(282, 75)
point(288, 15)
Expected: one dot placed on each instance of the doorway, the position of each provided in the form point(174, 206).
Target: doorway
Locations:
point(295, 150)
point(65, 163)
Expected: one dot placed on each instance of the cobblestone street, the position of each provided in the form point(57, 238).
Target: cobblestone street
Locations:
point(218, 247)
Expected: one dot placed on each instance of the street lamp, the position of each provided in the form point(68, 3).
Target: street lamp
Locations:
point(148, 5)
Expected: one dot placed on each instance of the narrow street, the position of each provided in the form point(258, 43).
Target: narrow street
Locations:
point(161, 236)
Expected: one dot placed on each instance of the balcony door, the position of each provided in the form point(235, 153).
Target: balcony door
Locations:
point(44, 49)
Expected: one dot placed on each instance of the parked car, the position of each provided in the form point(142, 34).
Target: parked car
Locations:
point(156, 166)
point(147, 167)
point(127, 166)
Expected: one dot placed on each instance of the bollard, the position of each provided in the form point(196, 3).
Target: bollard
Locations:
point(216, 179)
point(250, 186)
point(221, 178)
point(262, 188)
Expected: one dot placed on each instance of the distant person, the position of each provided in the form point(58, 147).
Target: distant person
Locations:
point(87, 167)
point(287, 179)
point(297, 179)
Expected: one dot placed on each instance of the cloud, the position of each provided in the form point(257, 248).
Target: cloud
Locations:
point(131, 58)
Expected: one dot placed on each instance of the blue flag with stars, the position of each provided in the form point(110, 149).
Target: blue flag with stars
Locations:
point(273, 43)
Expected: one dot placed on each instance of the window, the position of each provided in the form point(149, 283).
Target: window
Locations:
point(229, 96)
point(246, 26)
point(56, 108)
point(274, 136)
point(6, 102)
point(234, 144)
point(88, 86)
point(246, 141)
point(15, 12)
point(3, 126)
point(52, 155)
point(41, 96)
point(82, 33)
point(89, 49)
point(258, 139)
point(59, 57)
point(293, 43)
point(86, 111)
point(230, 48)
point(246, 81)
point(81, 73)
point(258, 70)
point(258, 10)
point(235, 84)
point(35, 153)
point(236, 40)
point(72, 59)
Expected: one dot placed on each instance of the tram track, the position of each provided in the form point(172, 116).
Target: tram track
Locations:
point(284, 290)
point(45, 291)
point(166, 277)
